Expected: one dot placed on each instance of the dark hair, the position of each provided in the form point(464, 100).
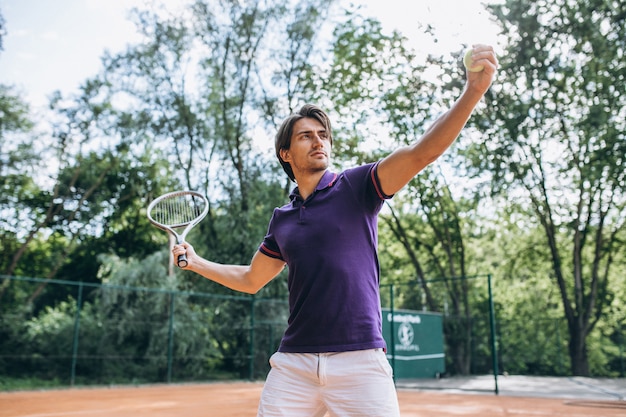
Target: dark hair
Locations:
point(283, 136)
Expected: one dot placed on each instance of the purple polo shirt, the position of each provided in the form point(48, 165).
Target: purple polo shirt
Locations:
point(329, 242)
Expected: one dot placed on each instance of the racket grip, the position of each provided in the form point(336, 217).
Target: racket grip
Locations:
point(182, 261)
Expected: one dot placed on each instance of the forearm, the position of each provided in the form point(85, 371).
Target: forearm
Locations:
point(401, 166)
point(235, 277)
point(444, 131)
point(447, 128)
point(396, 170)
point(244, 278)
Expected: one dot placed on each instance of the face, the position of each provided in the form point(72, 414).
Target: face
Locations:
point(310, 148)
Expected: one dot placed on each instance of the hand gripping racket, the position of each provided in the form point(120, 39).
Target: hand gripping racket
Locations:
point(176, 210)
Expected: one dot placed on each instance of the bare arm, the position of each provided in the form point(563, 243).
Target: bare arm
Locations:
point(397, 169)
point(245, 278)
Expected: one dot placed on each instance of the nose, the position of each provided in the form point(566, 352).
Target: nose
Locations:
point(318, 140)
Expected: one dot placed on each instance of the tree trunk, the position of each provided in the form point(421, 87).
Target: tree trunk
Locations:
point(578, 352)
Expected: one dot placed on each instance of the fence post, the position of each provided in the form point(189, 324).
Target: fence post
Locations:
point(392, 335)
point(252, 338)
point(492, 322)
point(170, 339)
point(79, 303)
point(620, 343)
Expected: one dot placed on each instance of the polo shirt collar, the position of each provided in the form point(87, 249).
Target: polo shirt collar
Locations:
point(328, 180)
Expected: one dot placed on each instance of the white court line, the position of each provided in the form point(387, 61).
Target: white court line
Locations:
point(417, 357)
point(106, 411)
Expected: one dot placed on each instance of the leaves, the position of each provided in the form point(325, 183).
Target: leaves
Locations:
point(551, 138)
point(532, 192)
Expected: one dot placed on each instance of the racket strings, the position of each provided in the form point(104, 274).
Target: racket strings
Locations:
point(178, 211)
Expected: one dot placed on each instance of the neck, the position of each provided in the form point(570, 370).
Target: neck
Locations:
point(307, 183)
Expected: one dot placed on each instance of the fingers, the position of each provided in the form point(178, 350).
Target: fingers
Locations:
point(482, 51)
point(182, 249)
point(482, 56)
point(485, 55)
point(179, 250)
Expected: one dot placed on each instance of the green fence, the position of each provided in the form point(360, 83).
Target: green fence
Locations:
point(104, 334)
point(88, 334)
point(477, 342)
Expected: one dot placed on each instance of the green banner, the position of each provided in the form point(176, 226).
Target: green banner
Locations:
point(414, 343)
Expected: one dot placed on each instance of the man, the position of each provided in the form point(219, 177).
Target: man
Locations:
point(332, 355)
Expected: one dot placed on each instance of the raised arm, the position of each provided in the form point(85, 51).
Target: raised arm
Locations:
point(245, 278)
point(397, 169)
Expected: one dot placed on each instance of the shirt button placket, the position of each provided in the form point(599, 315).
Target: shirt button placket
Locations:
point(302, 214)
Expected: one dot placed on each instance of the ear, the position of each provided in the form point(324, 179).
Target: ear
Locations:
point(284, 155)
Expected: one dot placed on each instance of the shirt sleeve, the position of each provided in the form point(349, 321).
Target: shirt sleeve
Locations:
point(376, 183)
point(269, 246)
point(365, 184)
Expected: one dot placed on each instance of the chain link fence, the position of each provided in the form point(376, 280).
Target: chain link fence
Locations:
point(107, 334)
point(103, 334)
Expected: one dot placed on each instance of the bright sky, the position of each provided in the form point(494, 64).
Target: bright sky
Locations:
point(57, 44)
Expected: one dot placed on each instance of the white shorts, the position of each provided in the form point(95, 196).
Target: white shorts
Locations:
point(344, 384)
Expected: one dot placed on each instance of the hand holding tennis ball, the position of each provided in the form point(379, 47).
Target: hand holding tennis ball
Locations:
point(467, 62)
point(482, 65)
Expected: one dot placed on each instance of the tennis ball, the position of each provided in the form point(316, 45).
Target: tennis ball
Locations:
point(467, 61)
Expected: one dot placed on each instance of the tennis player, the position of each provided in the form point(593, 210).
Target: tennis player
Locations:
point(332, 355)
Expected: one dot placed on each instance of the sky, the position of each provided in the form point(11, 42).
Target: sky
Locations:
point(55, 45)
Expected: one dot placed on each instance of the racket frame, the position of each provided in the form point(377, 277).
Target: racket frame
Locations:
point(180, 237)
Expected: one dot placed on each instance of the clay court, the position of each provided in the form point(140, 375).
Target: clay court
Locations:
point(240, 399)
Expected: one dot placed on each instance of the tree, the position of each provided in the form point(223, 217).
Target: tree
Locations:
point(18, 164)
point(3, 32)
point(205, 85)
point(81, 182)
point(555, 142)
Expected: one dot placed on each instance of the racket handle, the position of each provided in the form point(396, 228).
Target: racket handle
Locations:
point(182, 261)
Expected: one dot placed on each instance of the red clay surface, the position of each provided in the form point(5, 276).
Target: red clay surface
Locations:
point(240, 400)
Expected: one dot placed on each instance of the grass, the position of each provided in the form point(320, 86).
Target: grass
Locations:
point(28, 384)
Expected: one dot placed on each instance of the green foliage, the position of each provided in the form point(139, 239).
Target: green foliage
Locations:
point(18, 162)
point(136, 323)
point(556, 143)
point(195, 105)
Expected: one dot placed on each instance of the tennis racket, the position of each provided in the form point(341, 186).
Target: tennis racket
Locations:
point(177, 210)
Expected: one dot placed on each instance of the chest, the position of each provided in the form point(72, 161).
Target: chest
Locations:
point(327, 224)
